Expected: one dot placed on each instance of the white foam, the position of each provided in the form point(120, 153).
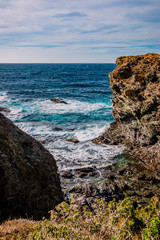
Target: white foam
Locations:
point(40, 106)
point(15, 114)
point(73, 106)
point(36, 129)
point(91, 132)
point(69, 155)
point(3, 95)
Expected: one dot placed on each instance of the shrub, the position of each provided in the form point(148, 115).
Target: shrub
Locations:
point(115, 221)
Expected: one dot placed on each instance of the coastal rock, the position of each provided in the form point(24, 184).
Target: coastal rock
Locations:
point(129, 177)
point(136, 106)
point(29, 182)
point(73, 140)
point(84, 169)
point(3, 109)
point(67, 174)
point(56, 100)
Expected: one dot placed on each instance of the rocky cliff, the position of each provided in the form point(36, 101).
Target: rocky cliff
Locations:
point(136, 107)
point(29, 182)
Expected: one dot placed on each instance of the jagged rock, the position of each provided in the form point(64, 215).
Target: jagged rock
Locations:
point(101, 139)
point(3, 109)
point(56, 100)
point(136, 106)
point(29, 182)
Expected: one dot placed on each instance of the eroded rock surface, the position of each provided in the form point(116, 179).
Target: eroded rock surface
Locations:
point(136, 107)
point(29, 182)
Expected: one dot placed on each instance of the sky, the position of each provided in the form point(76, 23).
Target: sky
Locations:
point(71, 31)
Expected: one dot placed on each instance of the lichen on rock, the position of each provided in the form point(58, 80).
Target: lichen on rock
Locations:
point(136, 106)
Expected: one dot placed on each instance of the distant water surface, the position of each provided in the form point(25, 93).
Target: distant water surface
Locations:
point(27, 88)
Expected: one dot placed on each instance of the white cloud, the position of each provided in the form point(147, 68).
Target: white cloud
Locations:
point(100, 27)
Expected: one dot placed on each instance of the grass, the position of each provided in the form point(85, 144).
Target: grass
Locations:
point(115, 221)
point(17, 229)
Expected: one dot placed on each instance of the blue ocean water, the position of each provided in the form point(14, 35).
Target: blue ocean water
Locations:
point(26, 89)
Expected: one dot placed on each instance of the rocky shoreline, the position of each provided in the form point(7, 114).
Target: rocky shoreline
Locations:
point(129, 177)
point(29, 179)
point(136, 110)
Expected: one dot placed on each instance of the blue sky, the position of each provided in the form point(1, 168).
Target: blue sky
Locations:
point(84, 31)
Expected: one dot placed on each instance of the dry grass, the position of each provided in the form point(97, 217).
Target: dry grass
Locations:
point(16, 229)
point(112, 221)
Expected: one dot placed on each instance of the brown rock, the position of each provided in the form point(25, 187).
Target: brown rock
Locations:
point(29, 182)
point(136, 107)
point(56, 100)
point(82, 174)
point(67, 174)
point(84, 169)
point(92, 174)
point(73, 140)
point(101, 139)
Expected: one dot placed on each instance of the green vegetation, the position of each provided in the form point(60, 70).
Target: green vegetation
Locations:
point(115, 221)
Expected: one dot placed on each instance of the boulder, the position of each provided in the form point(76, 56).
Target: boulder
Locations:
point(29, 181)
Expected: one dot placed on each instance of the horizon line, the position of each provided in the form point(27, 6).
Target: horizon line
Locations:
point(57, 63)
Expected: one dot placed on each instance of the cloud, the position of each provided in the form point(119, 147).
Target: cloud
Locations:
point(71, 15)
point(90, 27)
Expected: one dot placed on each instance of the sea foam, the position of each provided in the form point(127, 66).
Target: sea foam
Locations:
point(27, 89)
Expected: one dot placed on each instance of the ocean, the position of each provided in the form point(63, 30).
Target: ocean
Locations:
point(26, 89)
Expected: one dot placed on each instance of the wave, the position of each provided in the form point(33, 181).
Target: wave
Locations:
point(54, 136)
point(3, 95)
point(41, 107)
point(70, 156)
point(73, 106)
point(90, 132)
point(67, 154)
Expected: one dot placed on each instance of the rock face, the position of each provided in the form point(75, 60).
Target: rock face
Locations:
point(29, 182)
point(136, 106)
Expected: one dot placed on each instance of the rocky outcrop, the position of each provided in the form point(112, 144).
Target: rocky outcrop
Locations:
point(136, 106)
point(29, 182)
point(56, 100)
